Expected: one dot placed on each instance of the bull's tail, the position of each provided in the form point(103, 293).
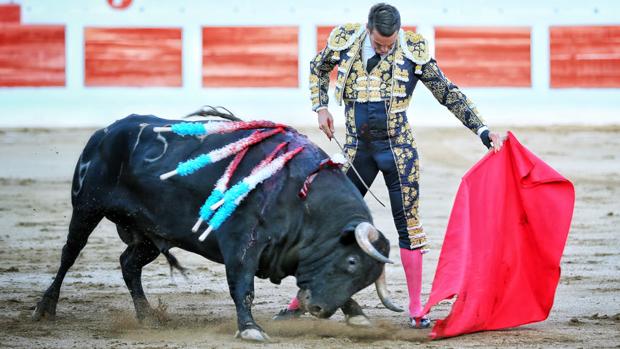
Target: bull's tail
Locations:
point(174, 263)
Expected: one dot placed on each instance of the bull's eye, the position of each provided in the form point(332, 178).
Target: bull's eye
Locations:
point(352, 263)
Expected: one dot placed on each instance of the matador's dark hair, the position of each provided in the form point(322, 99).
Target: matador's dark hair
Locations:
point(384, 18)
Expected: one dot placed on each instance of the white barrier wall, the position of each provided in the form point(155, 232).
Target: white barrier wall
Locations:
point(76, 104)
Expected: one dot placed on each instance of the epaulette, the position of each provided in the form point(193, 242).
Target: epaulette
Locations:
point(415, 47)
point(342, 37)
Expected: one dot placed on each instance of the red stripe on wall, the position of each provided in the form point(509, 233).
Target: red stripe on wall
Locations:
point(585, 56)
point(250, 57)
point(32, 55)
point(485, 56)
point(322, 33)
point(133, 57)
point(10, 13)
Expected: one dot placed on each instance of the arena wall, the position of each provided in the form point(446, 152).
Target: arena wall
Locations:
point(88, 63)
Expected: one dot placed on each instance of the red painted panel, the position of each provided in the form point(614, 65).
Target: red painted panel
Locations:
point(10, 13)
point(587, 56)
point(32, 55)
point(250, 57)
point(485, 56)
point(322, 33)
point(409, 27)
point(134, 57)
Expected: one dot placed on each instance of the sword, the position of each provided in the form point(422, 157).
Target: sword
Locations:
point(355, 170)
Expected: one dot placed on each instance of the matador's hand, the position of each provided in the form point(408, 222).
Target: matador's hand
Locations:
point(492, 140)
point(326, 122)
point(496, 140)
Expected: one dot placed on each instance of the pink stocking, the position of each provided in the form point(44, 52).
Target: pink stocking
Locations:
point(294, 304)
point(412, 263)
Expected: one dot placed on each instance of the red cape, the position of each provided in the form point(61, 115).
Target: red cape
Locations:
point(502, 249)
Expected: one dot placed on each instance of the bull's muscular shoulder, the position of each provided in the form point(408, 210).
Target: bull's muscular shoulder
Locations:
point(415, 47)
point(342, 37)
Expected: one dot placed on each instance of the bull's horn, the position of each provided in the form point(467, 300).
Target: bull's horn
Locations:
point(365, 234)
point(384, 294)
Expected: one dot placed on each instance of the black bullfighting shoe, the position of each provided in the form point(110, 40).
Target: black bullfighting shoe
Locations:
point(423, 322)
point(288, 314)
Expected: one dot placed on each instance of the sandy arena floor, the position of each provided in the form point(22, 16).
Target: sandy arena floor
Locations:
point(95, 309)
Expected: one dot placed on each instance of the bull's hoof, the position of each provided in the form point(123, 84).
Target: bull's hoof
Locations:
point(151, 318)
point(252, 334)
point(45, 309)
point(358, 321)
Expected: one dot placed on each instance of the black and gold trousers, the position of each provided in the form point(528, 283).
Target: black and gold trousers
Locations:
point(378, 140)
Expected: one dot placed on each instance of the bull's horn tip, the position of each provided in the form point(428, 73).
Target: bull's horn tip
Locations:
point(397, 309)
point(383, 259)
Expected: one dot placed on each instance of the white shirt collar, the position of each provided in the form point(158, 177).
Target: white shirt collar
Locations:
point(368, 51)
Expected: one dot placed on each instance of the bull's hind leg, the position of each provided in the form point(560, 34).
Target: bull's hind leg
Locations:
point(81, 226)
point(139, 253)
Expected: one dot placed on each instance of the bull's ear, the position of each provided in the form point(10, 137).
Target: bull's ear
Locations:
point(347, 235)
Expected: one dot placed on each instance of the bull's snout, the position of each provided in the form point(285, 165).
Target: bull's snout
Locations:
point(315, 308)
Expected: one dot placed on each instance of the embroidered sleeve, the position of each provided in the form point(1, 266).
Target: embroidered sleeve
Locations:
point(340, 39)
point(449, 95)
point(320, 67)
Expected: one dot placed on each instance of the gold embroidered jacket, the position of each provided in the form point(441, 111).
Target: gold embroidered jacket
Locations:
point(392, 80)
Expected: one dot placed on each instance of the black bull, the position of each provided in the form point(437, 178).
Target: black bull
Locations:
point(326, 241)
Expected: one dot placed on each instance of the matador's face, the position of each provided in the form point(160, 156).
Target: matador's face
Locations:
point(382, 44)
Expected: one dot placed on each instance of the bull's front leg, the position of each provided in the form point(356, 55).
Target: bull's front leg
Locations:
point(354, 314)
point(240, 275)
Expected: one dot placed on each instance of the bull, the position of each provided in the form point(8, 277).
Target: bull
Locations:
point(326, 241)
